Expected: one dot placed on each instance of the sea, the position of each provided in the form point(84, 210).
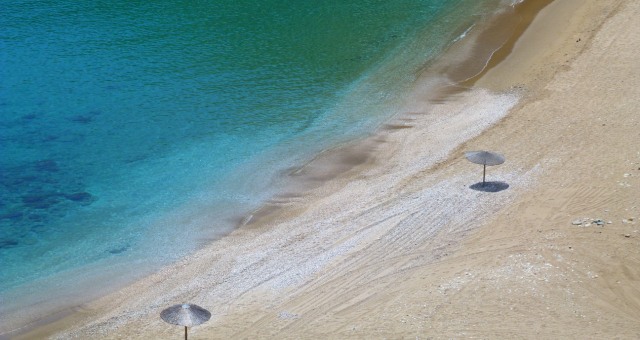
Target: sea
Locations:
point(134, 132)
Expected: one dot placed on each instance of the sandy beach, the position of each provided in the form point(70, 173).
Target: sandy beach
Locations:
point(387, 237)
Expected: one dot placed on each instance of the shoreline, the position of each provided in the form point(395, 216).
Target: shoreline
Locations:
point(305, 178)
point(337, 163)
point(451, 78)
point(326, 166)
point(514, 275)
point(296, 290)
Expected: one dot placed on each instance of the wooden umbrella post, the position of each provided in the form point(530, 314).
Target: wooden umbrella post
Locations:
point(484, 172)
point(185, 332)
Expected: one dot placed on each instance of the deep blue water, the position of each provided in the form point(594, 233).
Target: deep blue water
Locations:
point(126, 127)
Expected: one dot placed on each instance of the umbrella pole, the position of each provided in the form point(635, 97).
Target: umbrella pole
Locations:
point(185, 332)
point(484, 171)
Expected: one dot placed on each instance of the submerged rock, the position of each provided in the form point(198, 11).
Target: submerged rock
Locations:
point(41, 200)
point(47, 165)
point(13, 216)
point(81, 197)
point(36, 217)
point(119, 250)
point(8, 243)
point(82, 119)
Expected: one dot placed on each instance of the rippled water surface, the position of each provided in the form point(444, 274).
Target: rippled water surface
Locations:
point(127, 127)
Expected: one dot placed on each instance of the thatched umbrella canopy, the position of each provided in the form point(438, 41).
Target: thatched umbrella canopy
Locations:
point(485, 158)
point(186, 315)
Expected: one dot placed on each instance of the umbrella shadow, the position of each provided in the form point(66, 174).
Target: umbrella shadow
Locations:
point(489, 186)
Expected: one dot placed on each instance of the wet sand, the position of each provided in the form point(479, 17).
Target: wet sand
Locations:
point(401, 245)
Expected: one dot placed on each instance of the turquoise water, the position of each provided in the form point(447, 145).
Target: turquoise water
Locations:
point(127, 127)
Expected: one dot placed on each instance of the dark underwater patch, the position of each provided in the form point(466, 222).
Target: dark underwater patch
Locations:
point(80, 197)
point(48, 165)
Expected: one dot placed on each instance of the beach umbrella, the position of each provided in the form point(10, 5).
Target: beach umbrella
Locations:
point(186, 315)
point(485, 158)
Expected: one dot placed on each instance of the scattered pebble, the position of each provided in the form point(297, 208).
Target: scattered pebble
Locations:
point(627, 235)
point(577, 222)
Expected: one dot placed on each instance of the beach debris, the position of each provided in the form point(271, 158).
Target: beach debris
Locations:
point(587, 222)
point(186, 315)
point(285, 315)
point(627, 235)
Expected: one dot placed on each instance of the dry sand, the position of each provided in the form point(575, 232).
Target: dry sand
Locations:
point(401, 247)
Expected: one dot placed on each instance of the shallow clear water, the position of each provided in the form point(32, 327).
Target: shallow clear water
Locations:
point(126, 128)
